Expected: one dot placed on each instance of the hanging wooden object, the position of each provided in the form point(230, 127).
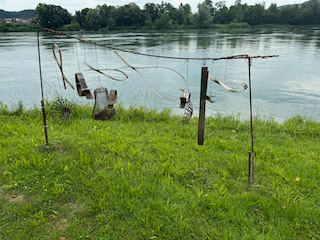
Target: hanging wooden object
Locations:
point(209, 98)
point(82, 88)
point(184, 100)
point(102, 110)
point(63, 112)
point(113, 97)
point(64, 78)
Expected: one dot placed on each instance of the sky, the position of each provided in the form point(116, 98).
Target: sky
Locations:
point(75, 5)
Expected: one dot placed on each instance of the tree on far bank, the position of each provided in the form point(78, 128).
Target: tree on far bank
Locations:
point(203, 18)
point(52, 16)
point(93, 19)
point(80, 16)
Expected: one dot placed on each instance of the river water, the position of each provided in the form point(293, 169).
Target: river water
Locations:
point(282, 86)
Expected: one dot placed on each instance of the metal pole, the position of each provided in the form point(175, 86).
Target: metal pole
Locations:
point(203, 94)
point(250, 105)
point(249, 170)
point(42, 102)
point(251, 154)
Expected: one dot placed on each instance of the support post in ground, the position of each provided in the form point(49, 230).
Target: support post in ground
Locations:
point(251, 154)
point(202, 111)
point(41, 85)
point(44, 122)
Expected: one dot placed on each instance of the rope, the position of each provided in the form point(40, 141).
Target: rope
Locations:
point(188, 74)
point(77, 57)
point(59, 84)
point(242, 56)
point(60, 66)
point(225, 71)
point(95, 47)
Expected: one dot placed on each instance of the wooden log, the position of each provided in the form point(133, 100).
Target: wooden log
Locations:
point(202, 112)
point(82, 87)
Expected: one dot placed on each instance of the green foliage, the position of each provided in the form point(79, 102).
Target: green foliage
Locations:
point(239, 25)
point(52, 16)
point(164, 22)
point(81, 17)
point(93, 19)
point(71, 27)
point(141, 175)
point(203, 18)
point(166, 16)
point(3, 26)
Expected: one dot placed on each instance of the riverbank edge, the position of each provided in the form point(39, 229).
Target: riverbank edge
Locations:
point(22, 27)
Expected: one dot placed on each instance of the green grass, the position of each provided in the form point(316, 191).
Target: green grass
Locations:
point(141, 175)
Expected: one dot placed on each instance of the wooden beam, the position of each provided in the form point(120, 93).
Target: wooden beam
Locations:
point(202, 111)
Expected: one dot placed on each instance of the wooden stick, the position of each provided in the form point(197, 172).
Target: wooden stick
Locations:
point(203, 94)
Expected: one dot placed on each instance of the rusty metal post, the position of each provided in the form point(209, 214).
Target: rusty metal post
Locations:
point(251, 154)
point(250, 105)
point(42, 102)
point(44, 122)
point(249, 170)
point(253, 166)
point(202, 112)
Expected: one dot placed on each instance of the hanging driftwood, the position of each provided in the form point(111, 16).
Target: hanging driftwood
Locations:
point(64, 78)
point(82, 88)
point(220, 82)
point(102, 110)
point(113, 97)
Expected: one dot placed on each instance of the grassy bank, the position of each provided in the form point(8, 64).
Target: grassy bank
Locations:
point(141, 175)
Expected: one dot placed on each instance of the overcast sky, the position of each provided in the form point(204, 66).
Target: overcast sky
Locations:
point(74, 5)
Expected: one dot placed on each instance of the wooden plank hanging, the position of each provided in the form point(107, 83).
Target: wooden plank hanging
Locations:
point(82, 88)
point(203, 94)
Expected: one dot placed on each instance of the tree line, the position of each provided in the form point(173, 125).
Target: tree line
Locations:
point(22, 14)
point(166, 16)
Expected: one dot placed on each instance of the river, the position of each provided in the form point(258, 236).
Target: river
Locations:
point(282, 86)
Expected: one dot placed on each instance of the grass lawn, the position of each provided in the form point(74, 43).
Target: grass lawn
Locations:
point(141, 175)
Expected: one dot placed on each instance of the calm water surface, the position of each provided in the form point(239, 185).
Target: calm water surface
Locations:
point(281, 87)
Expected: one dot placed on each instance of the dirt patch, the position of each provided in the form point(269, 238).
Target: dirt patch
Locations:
point(15, 198)
point(11, 197)
point(61, 225)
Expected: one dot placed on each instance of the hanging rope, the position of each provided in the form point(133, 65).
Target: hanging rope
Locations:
point(188, 74)
point(77, 57)
point(60, 65)
point(95, 47)
point(225, 71)
point(57, 74)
